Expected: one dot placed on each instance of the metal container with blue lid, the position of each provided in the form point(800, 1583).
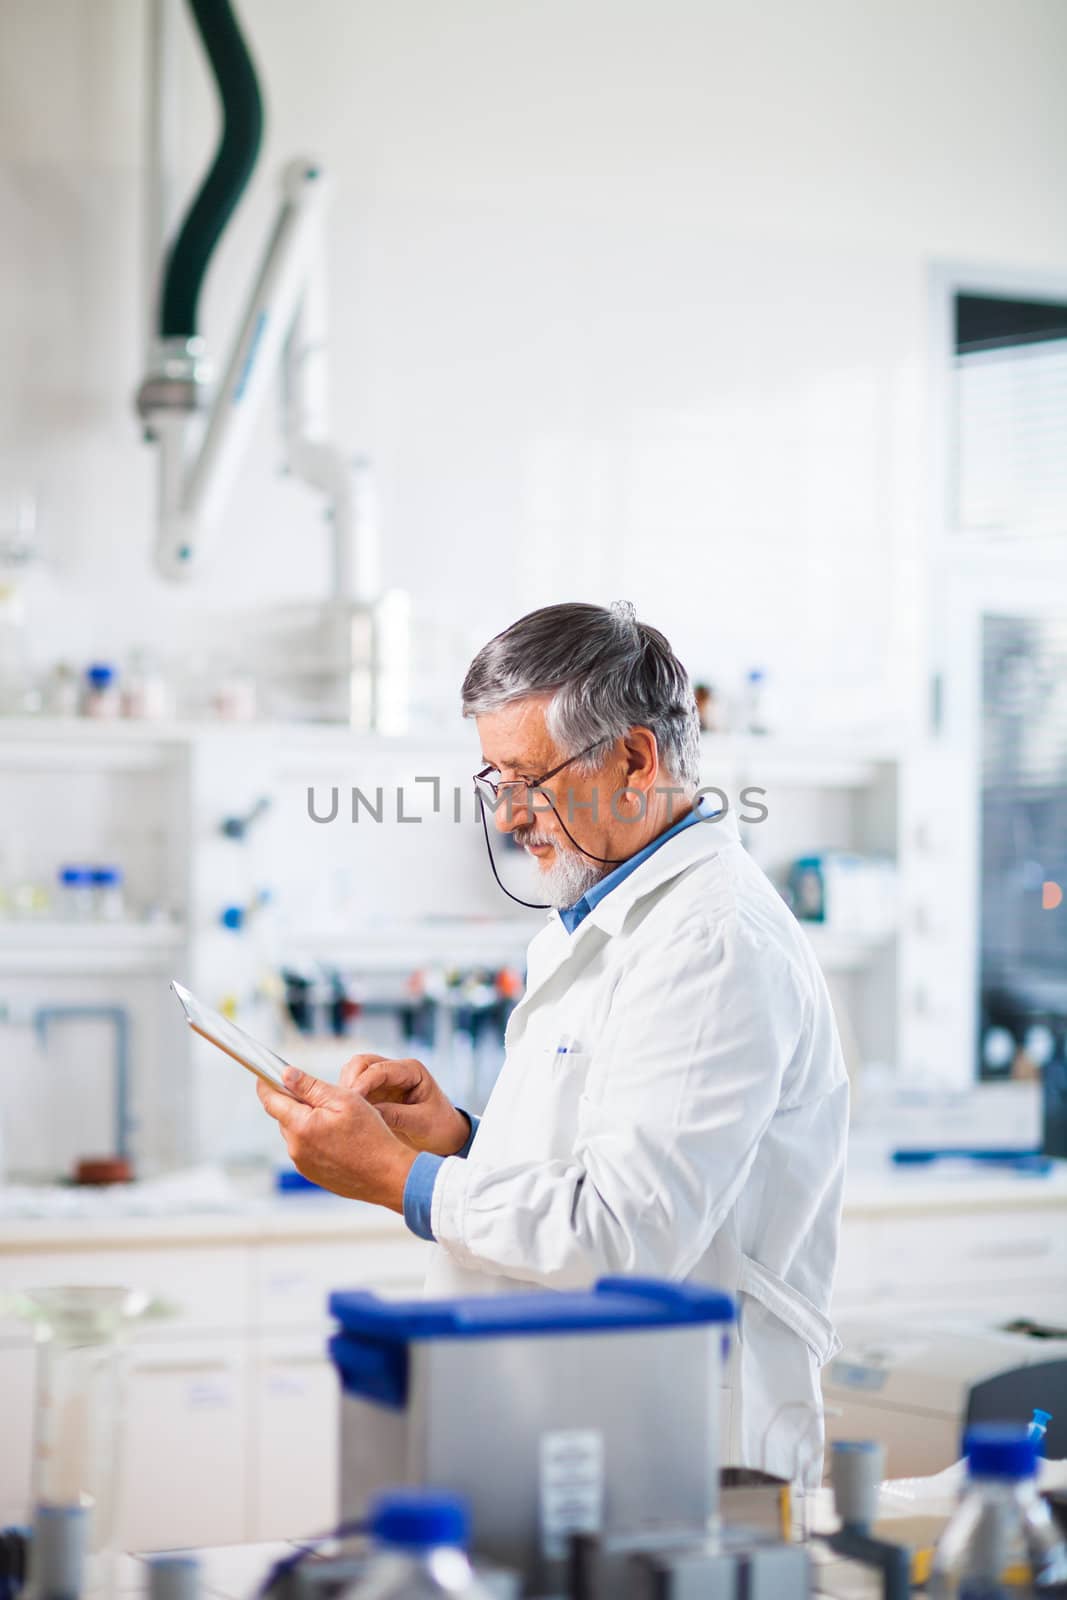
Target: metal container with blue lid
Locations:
point(583, 1411)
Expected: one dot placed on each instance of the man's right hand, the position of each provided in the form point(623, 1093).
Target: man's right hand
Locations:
point(409, 1101)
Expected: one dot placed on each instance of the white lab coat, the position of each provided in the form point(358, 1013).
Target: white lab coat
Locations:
point(695, 1129)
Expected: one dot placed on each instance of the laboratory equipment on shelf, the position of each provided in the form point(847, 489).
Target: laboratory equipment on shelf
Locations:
point(77, 901)
point(117, 1166)
point(845, 892)
point(351, 663)
point(237, 918)
point(79, 1407)
point(62, 691)
point(91, 892)
point(109, 902)
point(1002, 1538)
point(553, 1413)
point(146, 695)
point(756, 708)
point(101, 696)
point(238, 827)
point(420, 1549)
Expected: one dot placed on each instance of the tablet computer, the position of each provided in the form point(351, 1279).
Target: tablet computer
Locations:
point(231, 1039)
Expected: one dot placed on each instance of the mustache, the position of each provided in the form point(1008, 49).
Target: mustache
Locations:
point(530, 835)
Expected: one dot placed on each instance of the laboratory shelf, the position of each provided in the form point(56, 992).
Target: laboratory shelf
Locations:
point(71, 947)
point(401, 947)
point(816, 762)
point(846, 952)
point(297, 749)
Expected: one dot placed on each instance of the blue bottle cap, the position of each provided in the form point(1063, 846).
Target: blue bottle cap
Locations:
point(1042, 1418)
point(75, 877)
point(418, 1518)
point(106, 877)
point(1000, 1450)
point(100, 674)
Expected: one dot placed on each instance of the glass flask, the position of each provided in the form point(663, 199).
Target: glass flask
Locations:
point(79, 1407)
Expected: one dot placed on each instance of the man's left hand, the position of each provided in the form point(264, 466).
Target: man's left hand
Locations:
point(338, 1140)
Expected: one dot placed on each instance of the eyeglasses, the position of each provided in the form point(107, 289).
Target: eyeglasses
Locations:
point(517, 790)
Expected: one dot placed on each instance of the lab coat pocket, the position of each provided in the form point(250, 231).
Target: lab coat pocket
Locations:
point(790, 1307)
point(550, 1108)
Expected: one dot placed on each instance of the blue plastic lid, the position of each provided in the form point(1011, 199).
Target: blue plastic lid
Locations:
point(1042, 1418)
point(288, 1181)
point(75, 877)
point(612, 1303)
point(1000, 1450)
point(418, 1518)
point(106, 877)
point(100, 674)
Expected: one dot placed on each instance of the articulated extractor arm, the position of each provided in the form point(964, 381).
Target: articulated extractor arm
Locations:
point(202, 430)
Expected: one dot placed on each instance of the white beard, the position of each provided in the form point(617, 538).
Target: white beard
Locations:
point(569, 876)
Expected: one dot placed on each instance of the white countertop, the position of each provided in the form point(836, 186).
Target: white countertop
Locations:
point(201, 1207)
point(876, 1187)
point(245, 1212)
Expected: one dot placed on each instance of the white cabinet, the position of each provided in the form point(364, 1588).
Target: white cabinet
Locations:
point(294, 1445)
point(990, 1262)
point(231, 1423)
point(186, 1445)
point(292, 1282)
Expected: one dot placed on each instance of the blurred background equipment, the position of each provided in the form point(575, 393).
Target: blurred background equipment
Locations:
point(202, 429)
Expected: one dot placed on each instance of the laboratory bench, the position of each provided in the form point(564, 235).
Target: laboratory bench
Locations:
point(232, 1410)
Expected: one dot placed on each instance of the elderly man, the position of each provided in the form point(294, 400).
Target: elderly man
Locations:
point(673, 1100)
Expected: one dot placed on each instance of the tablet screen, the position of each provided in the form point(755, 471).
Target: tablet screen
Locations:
point(231, 1039)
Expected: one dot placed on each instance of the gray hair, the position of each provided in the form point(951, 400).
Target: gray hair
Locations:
point(606, 673)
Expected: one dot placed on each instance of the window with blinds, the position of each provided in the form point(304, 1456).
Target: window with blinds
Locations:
point(1011, 416)
point(1023, 938)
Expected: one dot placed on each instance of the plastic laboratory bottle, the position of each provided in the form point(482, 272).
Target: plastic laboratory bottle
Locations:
point(62, 692)
point(1002, 1541)
point(420, 1549)
point(145, 693)
point(108, 902)
point(755, 702)
point(77, 893)
point(101, 698)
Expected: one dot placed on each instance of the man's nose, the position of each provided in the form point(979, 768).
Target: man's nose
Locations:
point(514, 811)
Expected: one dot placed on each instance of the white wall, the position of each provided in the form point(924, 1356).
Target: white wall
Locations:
point(630, 300)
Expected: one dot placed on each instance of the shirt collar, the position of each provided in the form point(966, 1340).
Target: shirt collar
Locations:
point(719, 824)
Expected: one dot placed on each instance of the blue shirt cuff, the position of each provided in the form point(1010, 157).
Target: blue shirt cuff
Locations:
point(418, 1193)
point(475, 1122)
point(422, 1175)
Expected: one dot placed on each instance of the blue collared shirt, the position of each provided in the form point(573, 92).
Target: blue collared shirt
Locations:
point(576, 914)
point(418, 1189)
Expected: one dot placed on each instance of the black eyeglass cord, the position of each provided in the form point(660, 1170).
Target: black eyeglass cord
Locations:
point(539, 905)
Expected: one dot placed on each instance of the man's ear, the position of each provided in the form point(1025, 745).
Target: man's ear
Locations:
point(642, 758)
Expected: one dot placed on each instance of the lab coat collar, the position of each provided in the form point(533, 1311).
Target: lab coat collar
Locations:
point(697, 843)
